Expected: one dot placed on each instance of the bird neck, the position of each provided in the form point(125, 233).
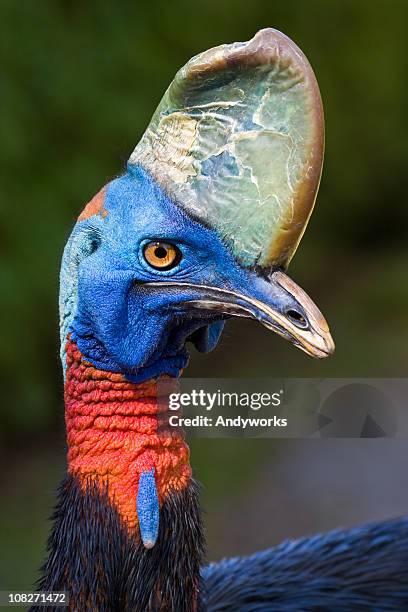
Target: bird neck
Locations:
point(115, 441)
point(111, 547)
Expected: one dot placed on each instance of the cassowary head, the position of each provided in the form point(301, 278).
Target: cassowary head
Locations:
point(205, 220)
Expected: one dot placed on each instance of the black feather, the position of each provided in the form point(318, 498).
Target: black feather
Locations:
point(358, 570)
point(104, 568)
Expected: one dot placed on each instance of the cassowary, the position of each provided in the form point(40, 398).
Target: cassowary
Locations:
point(200, 227)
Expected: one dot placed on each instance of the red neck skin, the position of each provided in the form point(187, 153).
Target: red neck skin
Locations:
point(112, 434)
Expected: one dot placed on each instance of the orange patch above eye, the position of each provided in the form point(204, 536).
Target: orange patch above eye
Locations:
point(95, 206)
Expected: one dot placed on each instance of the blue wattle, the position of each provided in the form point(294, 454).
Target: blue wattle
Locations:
point(147, 505)
point(206, 338)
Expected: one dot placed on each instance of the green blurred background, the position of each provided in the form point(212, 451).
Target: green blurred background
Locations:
point(79, 82)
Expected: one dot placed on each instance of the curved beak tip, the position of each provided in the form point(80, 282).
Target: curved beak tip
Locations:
point(315, 339)
point(331, 347)
point(327, 349)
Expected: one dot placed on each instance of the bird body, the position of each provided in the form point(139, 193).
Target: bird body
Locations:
point(199, 228)
point(364, 569)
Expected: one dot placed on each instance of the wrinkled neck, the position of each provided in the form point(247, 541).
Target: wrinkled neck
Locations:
point(127, 531)
point(114, 439)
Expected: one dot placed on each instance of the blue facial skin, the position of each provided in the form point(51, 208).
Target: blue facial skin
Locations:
point(119, 323)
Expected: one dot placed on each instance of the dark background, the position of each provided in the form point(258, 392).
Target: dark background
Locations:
point(79, 82)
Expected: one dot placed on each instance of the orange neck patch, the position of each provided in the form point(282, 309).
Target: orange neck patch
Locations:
point(112, 434)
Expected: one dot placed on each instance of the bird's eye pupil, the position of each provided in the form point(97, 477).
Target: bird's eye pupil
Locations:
point(160, 252)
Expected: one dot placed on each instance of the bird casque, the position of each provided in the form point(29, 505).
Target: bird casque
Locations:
point(201, 227)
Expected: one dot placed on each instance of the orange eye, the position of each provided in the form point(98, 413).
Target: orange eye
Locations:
point(161, 255)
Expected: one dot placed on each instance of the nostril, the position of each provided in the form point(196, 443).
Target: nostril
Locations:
point(297, 318)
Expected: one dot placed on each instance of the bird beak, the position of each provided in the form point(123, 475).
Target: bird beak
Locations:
point(277, 302)
point(301, 321)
